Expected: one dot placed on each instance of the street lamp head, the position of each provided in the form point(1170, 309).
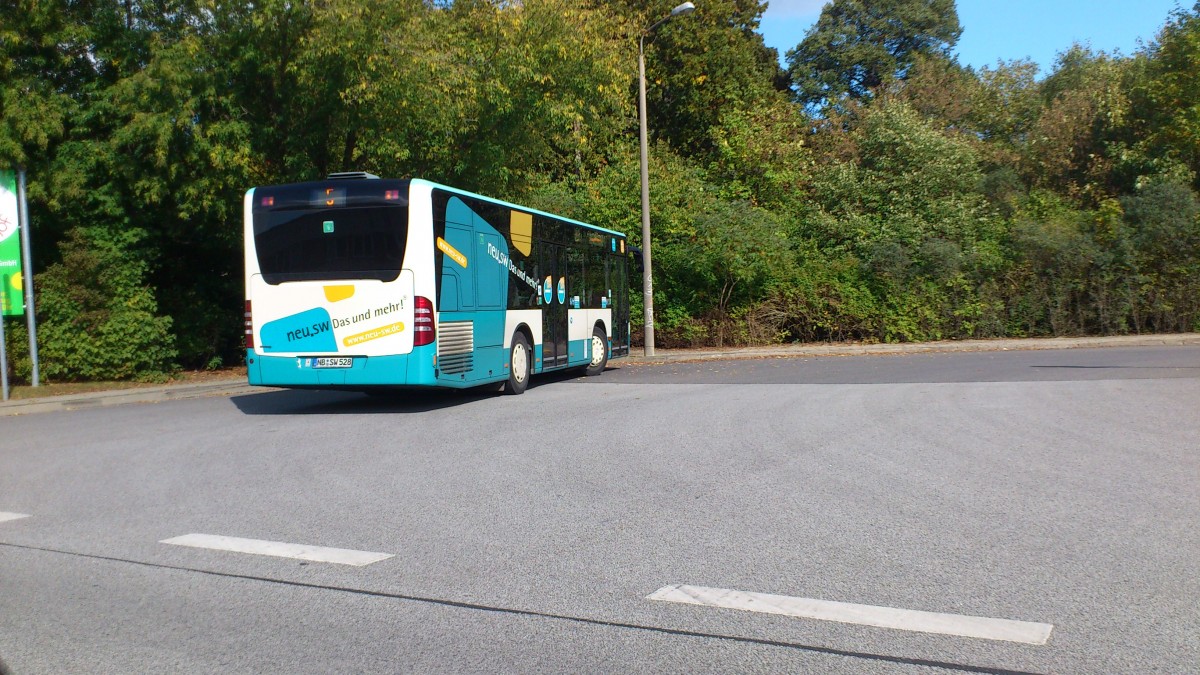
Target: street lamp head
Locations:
point(685, 8)
point(680, 10)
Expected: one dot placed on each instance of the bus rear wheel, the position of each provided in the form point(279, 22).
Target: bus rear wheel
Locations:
point(599, 352)
point(519, 359)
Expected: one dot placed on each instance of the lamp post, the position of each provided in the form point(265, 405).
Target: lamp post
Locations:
point(647, 278)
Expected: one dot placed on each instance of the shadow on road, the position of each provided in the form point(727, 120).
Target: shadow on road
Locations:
point(321, 402)
point(332, 402)
point(1124, 367)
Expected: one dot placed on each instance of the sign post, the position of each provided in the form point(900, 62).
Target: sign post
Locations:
point(11, 302)
point(16, 288)
point(27, 256)
point(3, 361)
point(10, 265)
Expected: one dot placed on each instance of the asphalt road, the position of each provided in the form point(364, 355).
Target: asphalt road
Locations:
point(1053, 488)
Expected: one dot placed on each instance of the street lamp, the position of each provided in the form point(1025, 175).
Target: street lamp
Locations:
point(647, 279)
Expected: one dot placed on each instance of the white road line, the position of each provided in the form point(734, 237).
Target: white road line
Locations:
point(866, 615)
point(279, 549)
point(5, 515)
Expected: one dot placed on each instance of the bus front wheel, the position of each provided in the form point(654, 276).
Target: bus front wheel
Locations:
point(519, 359)
point(599, 352)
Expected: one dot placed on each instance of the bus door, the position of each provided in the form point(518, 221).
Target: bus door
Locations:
point(617, 283)
point(553, 259)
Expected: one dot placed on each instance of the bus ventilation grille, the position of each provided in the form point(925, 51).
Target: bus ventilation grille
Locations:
point(456, 346)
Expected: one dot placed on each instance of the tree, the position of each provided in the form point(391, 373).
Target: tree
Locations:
point(939, 89)
point(905, 202)
point(1081, 129)
point(1005, 105)
point(907, 182)
point(547, 84)
point(1167, 100)
point(703, 65)
point(33, 99)
point(1163, 226)
point(762, 155)
point(857, 46)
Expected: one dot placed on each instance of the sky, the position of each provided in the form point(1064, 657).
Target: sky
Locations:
point(1038, 30)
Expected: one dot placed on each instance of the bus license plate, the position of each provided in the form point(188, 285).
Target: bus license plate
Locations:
point(333, 362)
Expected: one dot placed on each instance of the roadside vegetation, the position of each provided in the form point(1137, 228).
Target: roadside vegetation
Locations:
point(872, 189)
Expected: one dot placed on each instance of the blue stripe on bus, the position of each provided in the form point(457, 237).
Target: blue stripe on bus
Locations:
point(577, 352)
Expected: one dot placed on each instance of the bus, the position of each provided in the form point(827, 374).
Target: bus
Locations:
point(362, 283)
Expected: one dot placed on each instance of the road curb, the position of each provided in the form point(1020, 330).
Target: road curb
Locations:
point(841, 349)
point(113, 397)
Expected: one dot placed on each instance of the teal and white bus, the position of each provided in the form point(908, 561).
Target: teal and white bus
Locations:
point(357, 282)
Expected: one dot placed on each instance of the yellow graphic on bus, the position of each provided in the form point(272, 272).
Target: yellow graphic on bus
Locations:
point(338, 293)
point(521, 231)
point(449, 250)
point(373, 334)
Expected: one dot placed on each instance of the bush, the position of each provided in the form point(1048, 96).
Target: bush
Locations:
point(97, 319)
point(823, 299)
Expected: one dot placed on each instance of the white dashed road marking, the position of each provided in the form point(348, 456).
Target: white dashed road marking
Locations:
point(5, 515)
point(279, 549)
point(866, 615)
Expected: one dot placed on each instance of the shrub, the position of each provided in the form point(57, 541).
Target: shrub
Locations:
point(97, 319)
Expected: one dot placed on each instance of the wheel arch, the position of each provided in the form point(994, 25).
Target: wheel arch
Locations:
point(524, 329)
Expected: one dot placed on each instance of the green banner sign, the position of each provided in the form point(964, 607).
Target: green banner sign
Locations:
point(11, 299)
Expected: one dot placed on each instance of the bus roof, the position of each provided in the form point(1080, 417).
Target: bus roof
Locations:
point(501, 202)
point(359, 177)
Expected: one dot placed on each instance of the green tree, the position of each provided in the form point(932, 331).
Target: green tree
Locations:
point(1004, 108)
point(168, 155)
point(1163, 226)
point(548, 93)
point(762, 154)
point(37, 56)
point(939, 89)
point(1167, 101)
point(365, 89)
point(907, 182)
point(857, 46)
point(727, 263)
point(1074, 140)
point(261, 46)
point(906, 204)
point(701, 66)
point(1062, 275)
point(492, 96)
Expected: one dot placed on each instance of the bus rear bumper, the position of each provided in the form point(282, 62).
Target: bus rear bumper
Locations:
point(415, 369)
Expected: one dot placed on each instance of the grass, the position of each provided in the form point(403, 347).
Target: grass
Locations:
point(17, 392)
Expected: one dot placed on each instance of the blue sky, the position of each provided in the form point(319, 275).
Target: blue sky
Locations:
point(1009, 29)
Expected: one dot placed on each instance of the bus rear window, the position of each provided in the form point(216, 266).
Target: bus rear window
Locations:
point(304, 244)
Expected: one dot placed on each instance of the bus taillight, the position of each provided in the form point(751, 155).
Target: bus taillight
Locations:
point(249, 328)
point(423, 332)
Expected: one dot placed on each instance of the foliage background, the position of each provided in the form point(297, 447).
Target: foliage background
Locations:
point(874, 189)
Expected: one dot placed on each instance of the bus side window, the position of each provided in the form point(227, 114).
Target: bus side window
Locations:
point(577, 288)
point(596, 272)
point(456, 276)
point(492, 274)
point(535, 298)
